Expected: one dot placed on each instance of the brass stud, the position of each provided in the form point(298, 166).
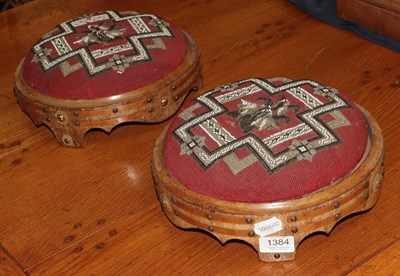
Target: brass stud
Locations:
point(176, 97)
point(45, 110)
point(209, 216)
point(293, 219)
point(277, 256)
point(164, 102)
point(251, 234)
point(76, 113)
point(336, 204)
point(115, 110)
point(150, 110)
point(173, 87)
point(60, 118)
point(366, 195)
point(174, 200)
point(337, 216)
point(48, 119)
point(294, 230)
point(77, 123)
point(177, 213)
point(249, 220)
point(67, 140)
point(149, 100)
point(211, 228)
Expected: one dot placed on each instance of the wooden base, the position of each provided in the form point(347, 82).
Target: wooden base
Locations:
point(316, 212)
point(70, 119)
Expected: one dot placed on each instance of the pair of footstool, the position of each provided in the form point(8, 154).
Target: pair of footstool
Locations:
point(265, 161)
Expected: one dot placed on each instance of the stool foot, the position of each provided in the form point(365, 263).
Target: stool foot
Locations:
point(70, 139)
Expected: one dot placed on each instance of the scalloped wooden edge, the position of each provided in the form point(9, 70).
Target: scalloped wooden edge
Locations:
point(317, 212)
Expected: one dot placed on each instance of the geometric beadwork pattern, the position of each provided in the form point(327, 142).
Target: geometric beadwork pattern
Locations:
point(280, 124)
point(104, 54)
point(101, 41)
point(265, 140)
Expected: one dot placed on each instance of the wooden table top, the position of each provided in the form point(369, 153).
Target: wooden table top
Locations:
point(94, 210)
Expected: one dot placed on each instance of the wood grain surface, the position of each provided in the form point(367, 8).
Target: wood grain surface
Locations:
point(94, 211)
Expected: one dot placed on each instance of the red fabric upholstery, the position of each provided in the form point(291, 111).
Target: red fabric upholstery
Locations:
point(265, 140)
point(103, 54)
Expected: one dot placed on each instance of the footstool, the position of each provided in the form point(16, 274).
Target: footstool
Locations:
point(268, 162)
point(103, 69)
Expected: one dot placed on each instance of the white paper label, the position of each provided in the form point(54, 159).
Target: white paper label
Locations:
point(268, 227)
point(277, 244)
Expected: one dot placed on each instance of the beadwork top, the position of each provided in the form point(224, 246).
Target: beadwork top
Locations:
point(265, 140)
point(103, 54)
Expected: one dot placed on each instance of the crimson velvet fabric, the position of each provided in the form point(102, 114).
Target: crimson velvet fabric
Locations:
point(265, 140)
point(103, 54)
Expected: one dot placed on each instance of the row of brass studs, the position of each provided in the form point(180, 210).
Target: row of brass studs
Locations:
point(61, 116)
point(248, 221)
point(76, 118)
point(337, 205)
point(177, 213)
point(292, 219)
point(164, 101)
point(210, 217)
point(62, 119)
point(337, 216)
point(45, 110)
point(294, 230)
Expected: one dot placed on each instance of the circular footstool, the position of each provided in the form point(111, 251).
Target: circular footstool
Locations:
point(104, 69)
point(268, 162)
